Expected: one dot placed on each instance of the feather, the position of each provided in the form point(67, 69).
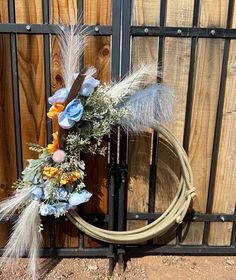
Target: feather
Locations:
point(11, 204)
point(91, 71)
point(132, 83)
point(26, 237)
point(148, 107)
point(71, 41)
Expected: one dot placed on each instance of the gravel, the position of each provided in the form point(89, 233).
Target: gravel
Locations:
point(146, 268)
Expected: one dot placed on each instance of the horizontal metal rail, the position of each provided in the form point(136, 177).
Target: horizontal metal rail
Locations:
point(134, 30)
point(183, 32)
point(140, 251)
point(49, 29)
point(73, 252)
point(190, 217)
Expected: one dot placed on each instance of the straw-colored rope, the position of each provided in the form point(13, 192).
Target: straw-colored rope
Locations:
point(174, 214)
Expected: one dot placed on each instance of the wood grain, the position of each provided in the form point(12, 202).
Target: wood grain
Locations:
point(146, 12)
point(144, 50)
point(213, 13)
point(97, 12)
point(206, 89)
point(32, 92)
point(179, 13)
point(61, 11)
point(7, 130)
point(224, 198)
point(97, 53)
point(176, 60)
point(29, 11)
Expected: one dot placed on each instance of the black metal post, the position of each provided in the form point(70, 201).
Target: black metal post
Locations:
point(15, 84)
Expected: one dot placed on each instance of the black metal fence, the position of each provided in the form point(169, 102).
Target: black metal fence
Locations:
point(118, 216)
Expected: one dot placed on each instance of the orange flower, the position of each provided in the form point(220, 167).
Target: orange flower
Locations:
point(69, 177)
point(50, 171)
point(55, 145)
point(55, 110)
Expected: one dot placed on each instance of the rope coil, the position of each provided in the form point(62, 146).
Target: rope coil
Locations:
point(173, 214)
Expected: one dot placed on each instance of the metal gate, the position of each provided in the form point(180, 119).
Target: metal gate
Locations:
point(122, 32)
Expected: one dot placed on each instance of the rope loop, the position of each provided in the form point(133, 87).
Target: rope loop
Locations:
point(175, 213)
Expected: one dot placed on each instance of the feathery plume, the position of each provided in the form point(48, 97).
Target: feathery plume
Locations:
point(148, 107)
point(71, 39)
point(11, 204)
point(137, 80)
point(26, 237)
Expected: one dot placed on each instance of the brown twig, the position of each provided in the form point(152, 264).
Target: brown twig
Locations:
point(62, 133)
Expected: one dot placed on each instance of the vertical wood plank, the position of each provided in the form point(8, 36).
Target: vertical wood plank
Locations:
point(7, 133)
point(62, 11)
point(97, 53)
point(225, 182)
point(97, 12)
point(28, 11)
point(176, 62)
point(146, 12)
point(213, 13)
point(144, 50)
point(31, 78)
point(179, 13)
point(32, 92)
point(206, 91)
point(4, 12)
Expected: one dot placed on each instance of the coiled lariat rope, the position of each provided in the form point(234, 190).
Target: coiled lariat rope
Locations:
point(174, 213)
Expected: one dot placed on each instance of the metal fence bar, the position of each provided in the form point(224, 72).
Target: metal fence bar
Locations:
point(103, 30)
point(104, 218)
point(80, 8)
point(47, 70)
point(153, 165)
point(126, 22)
point(115, 74)
point(233, 236)
point(183, 32)
point(22, 28)
point(188, 111)
point(15, 86)
point(218, 124)
point(117, 174)
point(140, 251)
point(71, 252)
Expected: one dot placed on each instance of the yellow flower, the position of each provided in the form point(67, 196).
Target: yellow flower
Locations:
point(75, 175)
point(50, 171)
point(55, 110)
point(69, 177)
point(55, 145)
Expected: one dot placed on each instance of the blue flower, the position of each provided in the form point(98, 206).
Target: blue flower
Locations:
point(72, 113)
point(47, 209)
point(88, 86)
point(37, 193)
point(59, 96)
point(78, 198)
point(62, 206)
point(62, 193)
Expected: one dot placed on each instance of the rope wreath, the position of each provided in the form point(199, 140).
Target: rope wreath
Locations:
point(174, 213)
point(83, 113)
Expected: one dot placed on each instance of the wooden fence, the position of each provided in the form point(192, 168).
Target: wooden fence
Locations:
point(200, 69)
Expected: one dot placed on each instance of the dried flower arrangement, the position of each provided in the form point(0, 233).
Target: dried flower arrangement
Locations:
point(85, 111)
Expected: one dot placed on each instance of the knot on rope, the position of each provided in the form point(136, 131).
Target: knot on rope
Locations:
point(191, 192)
